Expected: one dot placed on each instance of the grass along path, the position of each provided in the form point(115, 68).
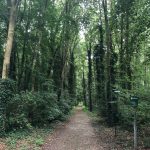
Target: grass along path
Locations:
point(32, 139)
point(25, 140)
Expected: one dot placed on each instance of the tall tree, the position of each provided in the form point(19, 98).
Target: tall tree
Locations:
point(108, 86)
point(13, 4)
point(99, 55)
point(90, 77)
point(84, 88)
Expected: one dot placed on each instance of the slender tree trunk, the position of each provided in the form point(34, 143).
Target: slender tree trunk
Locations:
point(108, 85)
point(99, 66)
point(71, 76)
point(90, 79)
point(121, 55)
point(25, 43)
point(128, 52)
point(10, 38)
point(12, 70)
point(84, 88)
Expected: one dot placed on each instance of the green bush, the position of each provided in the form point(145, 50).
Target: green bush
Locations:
point(32, 108)
point(7, 91)
point(126, 110)
point(64, 106)
point(27, 109)
point(147, 142)
point(35, 108)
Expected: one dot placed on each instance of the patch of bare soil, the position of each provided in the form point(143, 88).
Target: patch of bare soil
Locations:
point(2, 146)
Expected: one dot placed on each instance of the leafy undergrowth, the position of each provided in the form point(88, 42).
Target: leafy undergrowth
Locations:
point(123, 139)
point(29, 139)
point(25, 139)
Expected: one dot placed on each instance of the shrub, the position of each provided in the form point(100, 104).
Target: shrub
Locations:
point(7, 91)
point(126, 110)
point(35, 108)
point(17, 115)
point(27, 109)
point(64, 106)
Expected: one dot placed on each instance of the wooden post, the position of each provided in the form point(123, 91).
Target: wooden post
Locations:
point(134, 104)
point(135, 129)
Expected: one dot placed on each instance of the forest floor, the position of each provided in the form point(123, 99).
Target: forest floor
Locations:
point(77, 134)
point(86, 131)
point(83, 131)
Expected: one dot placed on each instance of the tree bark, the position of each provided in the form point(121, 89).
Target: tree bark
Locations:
point(10, 38)
point(90, 79)
point(128, 52)
point(108, 68)
point(84, 88)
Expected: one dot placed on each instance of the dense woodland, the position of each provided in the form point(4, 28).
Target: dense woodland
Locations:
point(56, 53)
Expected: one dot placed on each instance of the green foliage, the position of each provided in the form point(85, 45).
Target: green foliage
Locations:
point(24, 139)
point(7, 91)
point(16, 117)
point(144, 105)
point(35, 108)
point(27, 109)
point(64, 106)
point(39, 141)
point(147, 142)
point(49, 59)
point(126, 111)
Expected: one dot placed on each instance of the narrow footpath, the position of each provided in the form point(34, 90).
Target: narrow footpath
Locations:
point(77, 134)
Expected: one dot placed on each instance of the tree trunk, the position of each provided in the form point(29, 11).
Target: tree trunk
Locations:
point(84, 88)
point(10, 38)
point(99, 66)
point(71, 76)
point(128, 53)
point(90, 79)
point(122, 55)
point(108, 85)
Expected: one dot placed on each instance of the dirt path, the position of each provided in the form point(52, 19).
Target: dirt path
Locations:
point(77, 134)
